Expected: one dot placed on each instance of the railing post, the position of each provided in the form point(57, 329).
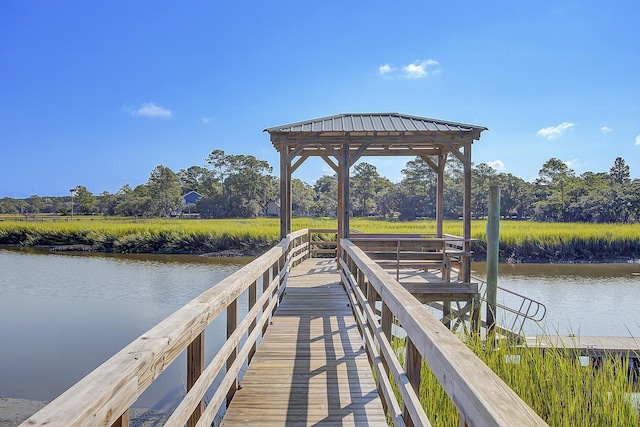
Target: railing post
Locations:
point(360, 277)
point(412, 367)
point(387, 321)
point(446, 314)
point(266, 281)
point(281, 274)
point(372, 323)
point(309, 243)
point(123, 421)
point(372, 296)
point(232, 323)
point(195, 366)
point(253, 296)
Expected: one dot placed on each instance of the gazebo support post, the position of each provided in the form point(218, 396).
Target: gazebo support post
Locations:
point(442, 160)
point(343, 195)
point(438, 168)
point(466, 259)
point(346, 203)
point(285, 192)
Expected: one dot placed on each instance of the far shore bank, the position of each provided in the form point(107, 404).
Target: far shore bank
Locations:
point(248, 252)
point(520, 241)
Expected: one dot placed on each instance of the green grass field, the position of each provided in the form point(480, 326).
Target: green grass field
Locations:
point(520, 240)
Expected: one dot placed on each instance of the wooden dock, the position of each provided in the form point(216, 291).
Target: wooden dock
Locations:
point(312, 365)
point(310, 368)
point(589, 346)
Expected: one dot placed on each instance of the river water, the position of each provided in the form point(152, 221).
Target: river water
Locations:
point(581, 299)
point(62, 315)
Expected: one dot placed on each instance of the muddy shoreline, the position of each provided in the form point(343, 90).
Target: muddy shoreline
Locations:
point(509, 256)
point(13, 412)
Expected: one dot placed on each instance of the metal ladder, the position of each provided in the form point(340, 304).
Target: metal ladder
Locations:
point(519, 311)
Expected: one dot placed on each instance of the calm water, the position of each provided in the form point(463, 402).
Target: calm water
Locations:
point(585, 299)
point(62, 315)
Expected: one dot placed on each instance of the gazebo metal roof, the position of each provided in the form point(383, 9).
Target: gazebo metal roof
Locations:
point(374, 122)
point(383, 133)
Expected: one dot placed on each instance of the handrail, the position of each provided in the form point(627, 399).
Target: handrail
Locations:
point(482, 398)
point(529, 309)
point(329, 247)
point(104, 396)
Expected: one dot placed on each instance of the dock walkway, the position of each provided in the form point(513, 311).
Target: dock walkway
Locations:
point(589, 346)
point(310, 368)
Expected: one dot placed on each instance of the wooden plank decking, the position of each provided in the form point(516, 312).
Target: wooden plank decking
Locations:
point(589, 346)
point(310, 368)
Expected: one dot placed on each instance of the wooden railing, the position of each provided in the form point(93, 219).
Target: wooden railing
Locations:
point(480, 396)
point(322, 246)
point(105, 395)
point(403, 252)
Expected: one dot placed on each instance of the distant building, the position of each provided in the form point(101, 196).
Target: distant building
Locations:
point(272, 208)
point(191, 198)
point(189, 201)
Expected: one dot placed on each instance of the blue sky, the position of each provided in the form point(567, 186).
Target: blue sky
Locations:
point(98, 93)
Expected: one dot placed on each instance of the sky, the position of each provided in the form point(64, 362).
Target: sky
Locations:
point(98, 93)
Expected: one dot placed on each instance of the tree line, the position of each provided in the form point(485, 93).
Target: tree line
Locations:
point(241, 185)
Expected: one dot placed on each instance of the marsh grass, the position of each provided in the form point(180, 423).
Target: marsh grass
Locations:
point(532, 241)
point(163, 236)
point(519, 240)
point(552, 382)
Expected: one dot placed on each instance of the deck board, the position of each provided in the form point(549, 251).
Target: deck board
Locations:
point(597, 346)
point(310, 368)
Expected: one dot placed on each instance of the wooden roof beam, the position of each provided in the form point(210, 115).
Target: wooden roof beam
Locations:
point(455, 151)
point(299, 162)
point(358, 153)
point(296, 151)
point(332, 151)
point(329, 162)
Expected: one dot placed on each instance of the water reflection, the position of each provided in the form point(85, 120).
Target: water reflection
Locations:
point(62, 315)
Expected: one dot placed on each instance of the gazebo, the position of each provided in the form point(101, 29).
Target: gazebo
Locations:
point(341, 140)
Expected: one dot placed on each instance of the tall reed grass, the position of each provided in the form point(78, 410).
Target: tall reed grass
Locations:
point(519, 240)
point(164, 236)
point(552, 382)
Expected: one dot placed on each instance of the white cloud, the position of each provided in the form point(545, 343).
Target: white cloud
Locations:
point(420, 69)
point(554, 132)
point(605, 130)
point(571, 163)
point(416, 70)
point(497, 165)
point(326, 169)
point(385, 69)
point(207, 120)
point(638, 140)
point(150, 109)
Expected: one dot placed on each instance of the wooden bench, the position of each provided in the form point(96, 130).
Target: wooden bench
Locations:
point(400, 252)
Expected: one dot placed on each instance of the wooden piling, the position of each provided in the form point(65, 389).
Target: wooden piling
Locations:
point(493, 237)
